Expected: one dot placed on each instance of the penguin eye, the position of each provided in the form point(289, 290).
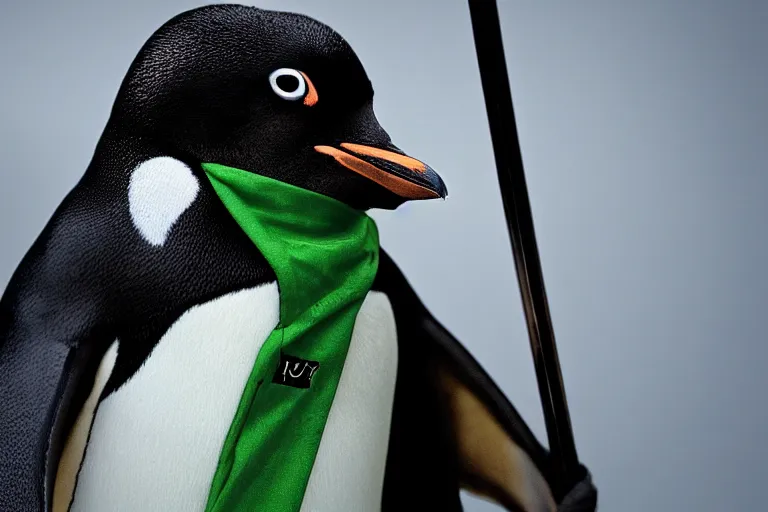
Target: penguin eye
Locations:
point(293, 85)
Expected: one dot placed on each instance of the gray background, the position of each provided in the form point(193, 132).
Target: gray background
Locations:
point(644, 132)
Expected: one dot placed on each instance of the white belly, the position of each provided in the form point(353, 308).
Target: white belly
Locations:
point(348, 474)
point(155, 442)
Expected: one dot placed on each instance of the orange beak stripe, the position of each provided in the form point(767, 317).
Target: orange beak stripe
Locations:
point(399, 186)
point(405, 161)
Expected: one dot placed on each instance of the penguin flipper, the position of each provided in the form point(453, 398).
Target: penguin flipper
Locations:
point(498, 457)
point(39, 378)
point(478, 441)
point(49, 356)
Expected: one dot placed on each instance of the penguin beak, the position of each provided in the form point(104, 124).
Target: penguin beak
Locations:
point(391, 168)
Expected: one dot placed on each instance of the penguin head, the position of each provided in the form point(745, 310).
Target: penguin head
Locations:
point(273, 93)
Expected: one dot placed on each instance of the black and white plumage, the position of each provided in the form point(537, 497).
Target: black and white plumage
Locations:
point(127, 332)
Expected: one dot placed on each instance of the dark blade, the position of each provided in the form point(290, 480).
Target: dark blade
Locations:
point(514, 191)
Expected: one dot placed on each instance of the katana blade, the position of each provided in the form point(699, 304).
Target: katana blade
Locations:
point(509, 164)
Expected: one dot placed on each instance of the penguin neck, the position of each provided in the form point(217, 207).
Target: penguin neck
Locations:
point(315, 244)
point(291, 210)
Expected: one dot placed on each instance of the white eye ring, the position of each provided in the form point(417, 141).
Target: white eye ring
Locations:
point(288, 95)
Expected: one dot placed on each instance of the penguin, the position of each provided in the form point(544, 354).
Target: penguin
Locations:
point(155, 347)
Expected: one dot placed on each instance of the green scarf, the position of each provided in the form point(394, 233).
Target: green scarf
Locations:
point(325, 255)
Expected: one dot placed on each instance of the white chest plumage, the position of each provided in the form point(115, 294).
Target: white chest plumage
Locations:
point(154, 443)
point(349, 469)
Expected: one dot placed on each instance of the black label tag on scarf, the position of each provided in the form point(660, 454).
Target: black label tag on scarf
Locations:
point(295, 372)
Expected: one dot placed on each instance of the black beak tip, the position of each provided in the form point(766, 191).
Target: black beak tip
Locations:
point(436, 182)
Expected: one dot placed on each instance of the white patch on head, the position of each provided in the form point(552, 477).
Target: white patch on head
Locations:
point(156, 441)
point(348, 473)
point(160, 190)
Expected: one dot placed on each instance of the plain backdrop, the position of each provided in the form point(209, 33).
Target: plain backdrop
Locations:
point(644, 128)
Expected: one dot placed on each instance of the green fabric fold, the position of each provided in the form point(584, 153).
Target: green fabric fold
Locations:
point(325, 255)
